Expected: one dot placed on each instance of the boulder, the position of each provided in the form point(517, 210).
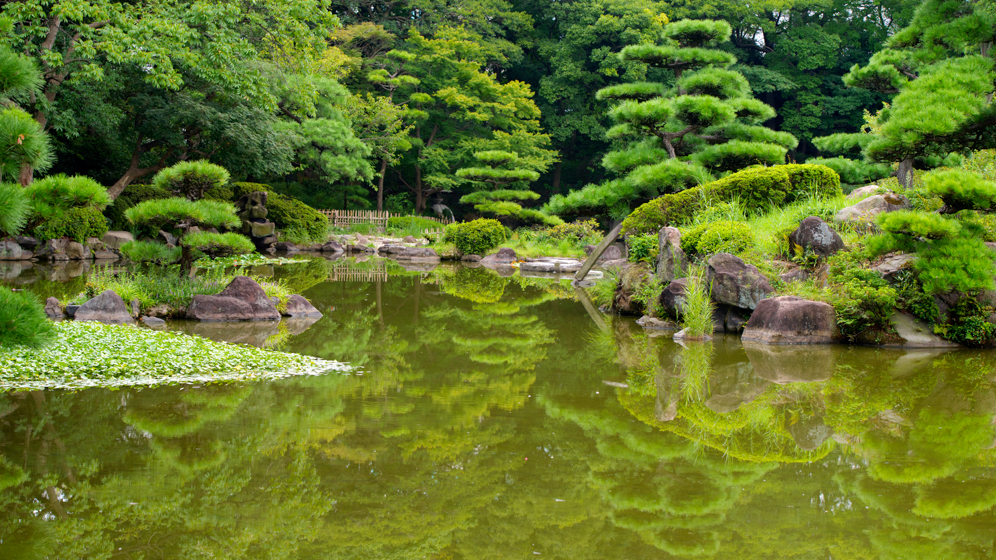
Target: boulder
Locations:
point(917, 334)
point(673, 296)
point(10, 251)
point(866, 191)
point(503, 256)
point(105, 256)
point(247, 290)
point(220, 308)
point(154, 322)
point(418, 254)
point(864, 212)
point(549, 264)
point(391, 249)
point(409, 239)
point(816, 236)
point(735, 282)
point(631, 276)
point(108, 307)
point(791, 320)
point(297, 306)
point(794, 275)
point(95, 244)
point(76, 251)
point(115, 239)
point(671, 261)
point(361, 240)
point(649, 322)
point(360, 249)
point(471, 258)
point(54, 309)
point(27, 243)
point(168, 238)
point(136, 308)
point(611, 253)
point(331, 247)
point(286, 247)
point(892, 264)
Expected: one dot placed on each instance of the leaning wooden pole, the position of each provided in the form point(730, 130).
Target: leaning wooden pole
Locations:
point(594, 256)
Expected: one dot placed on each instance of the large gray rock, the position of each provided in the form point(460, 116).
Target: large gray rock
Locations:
point(631, 276)
point(286, 247)
point(892, 264)
point(417, 254)
point(735, 282)
point(261, 229)
point(27, 243)
point(242, 300)
point(54, 309)
point(108, 307)
point(914, 333)
point(332, 247)
point(671, 261)
point(816, 236)
point(297, 306)
point(247, 290)
point(115, 239)
point(866, 191)
point(549, 264)
point(77, 251)
point(95, 244)
point(864, 212)
point(10, 251)
point(791, 320)
point(504, 255)
point(673, 297)
point(409, 239)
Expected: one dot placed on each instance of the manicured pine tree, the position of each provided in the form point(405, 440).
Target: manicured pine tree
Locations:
point(502, 171)
point(22, 140)
point(942, 68)
point(676, 137)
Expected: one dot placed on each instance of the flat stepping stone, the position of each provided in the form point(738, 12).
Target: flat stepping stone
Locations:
point(551, 265)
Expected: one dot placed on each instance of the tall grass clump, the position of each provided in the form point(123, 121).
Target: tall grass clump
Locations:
point(14, 208)
point(696, 316)
point(22, 320)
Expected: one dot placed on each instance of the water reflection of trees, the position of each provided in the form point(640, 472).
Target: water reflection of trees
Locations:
point(482, 429)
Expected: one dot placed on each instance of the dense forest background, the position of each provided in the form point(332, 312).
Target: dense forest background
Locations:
point(371, 103)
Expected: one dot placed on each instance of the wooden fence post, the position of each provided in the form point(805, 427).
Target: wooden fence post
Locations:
point(593, 257)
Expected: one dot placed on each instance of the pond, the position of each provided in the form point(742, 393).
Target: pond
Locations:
point(492, 417)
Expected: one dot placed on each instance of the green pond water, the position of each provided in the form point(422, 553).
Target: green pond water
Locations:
point(492, 417)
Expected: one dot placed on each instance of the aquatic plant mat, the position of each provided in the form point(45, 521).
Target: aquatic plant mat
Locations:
point(87, 354)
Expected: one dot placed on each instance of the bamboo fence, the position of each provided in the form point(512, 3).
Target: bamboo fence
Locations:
point(346, 218)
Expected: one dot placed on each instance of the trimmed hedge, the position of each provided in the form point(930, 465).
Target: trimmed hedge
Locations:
point(76, 223)
point(724, 236)
point(757, 188)
point(476, 237)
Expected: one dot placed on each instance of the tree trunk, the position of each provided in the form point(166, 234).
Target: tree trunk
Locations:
point(905, 172)
point(419, 198)
point(556, 177)
point(380, 185)
point(27, 175)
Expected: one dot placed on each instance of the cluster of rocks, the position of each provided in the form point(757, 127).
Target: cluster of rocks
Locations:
point(25, 248)
point(242, 300)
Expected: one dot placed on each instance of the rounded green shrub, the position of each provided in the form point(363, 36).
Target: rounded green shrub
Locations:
point(191, 179)
point(166, 211)
point(22, 320)
point(150, 252)
point(132, 195)
point(725, 236)
point(218, 244)
point(642, 247)
point(53, 194)
point(476, 237)
point(76, 223)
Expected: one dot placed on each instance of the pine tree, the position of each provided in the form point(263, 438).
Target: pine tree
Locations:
point(503, 170)
point(941, 68)
point(676, 137)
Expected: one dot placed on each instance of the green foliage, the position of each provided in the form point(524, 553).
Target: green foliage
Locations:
point(642, 247)
point(52, 196)
point(580, 230)
point(287, 213)
point(22, 320)
point(853, 172)
point(913, 297)
point(968, 324)
point(648, 293)
point(191, 179)
point(218, 244)
point(756, 189)
point(171, 211)
point(14, 208)
point(722, 236)
point(961, 190)
point(76, 223)
point(918, 224)
point(696, 313)
point(476, 237)
point(866, 300)
point(153, 285)
point(150, 252)
point(22, 142)
point(132, 195)
point(88, 353)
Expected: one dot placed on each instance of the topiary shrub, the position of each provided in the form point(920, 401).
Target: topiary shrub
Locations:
point(757, 188)
point(150, 252)
point(191, 179)
point(22, 320)
point(218, 244)
point(14, 208)
point(180, 215)
point(725, 236)
point(580, 230)
point(289, 214)
point(76, 223)
point(132, 195)
point(476, 237)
